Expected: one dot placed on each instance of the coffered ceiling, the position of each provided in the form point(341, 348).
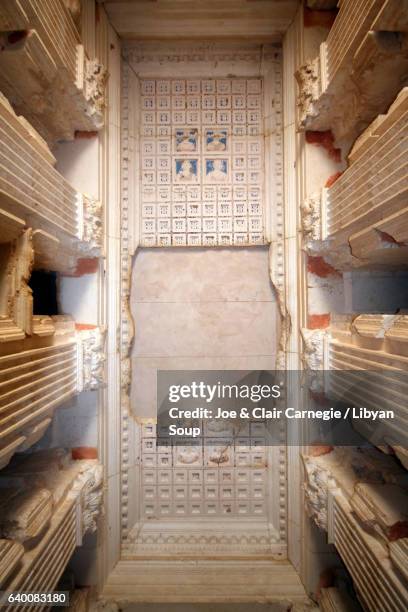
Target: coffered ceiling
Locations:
point(255, 20)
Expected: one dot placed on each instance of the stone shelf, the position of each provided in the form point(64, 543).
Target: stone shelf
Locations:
point(48, 503)
point(33, 194)
point(41, 373)
point(338, 90)
point(359, 496)
point(42, 59)
point(333, 599)
point(377, 343)
point(378, 584)
point(363, 216)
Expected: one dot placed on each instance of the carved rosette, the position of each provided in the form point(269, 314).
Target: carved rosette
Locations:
point(95, 77)
point(91, 359)
point(309, 81)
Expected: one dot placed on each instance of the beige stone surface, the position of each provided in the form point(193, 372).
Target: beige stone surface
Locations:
point(200, 309)
point(201, 275)
point(265, 20)
point(204, 581)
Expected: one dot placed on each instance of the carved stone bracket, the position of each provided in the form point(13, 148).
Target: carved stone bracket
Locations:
point(48, 502)
point(311, 218)
point(313, 357)
point(309, 81)
point(91, 359)
point(89, 488)
point(16, 302)
point(318, 481)
point(91, 79)
point(90, 211)
point(95, 81)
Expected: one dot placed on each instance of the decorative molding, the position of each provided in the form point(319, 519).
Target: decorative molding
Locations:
point(75, 9)
point(206, 538)
point(211, 191)
point(137, 54)
point(338, 88)
point(67, 363)
point(386, 590)
point(313, 348)
point(66, 224)
point(373, 224)
point(88, 488)
point(371, 343)
point(314, 358)
point(310, 89)
point(373, 326)
point(359, 495)
point(399, 555)
point(317, 484)
point(275, 234)
point(311, 217)
point(58, 88)
point(91, 230)
point(126, 322)
point(381, 508)
point(24, 513)
point(11, 553)
point(17, 262)
point(91, 359)
point(333, 599)
point(52, 502)
point(95, 78)
point(277, 457)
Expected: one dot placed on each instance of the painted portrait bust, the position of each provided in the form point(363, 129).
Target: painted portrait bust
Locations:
point(186, 170)
point(216, 140)
point(186, 140)
point(216, 170)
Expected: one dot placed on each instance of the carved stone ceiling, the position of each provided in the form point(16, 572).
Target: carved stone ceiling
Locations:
point(260, 20)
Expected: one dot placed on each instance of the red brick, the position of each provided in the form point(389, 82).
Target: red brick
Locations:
point(323, 19)
point(320, 398)
point(82, 134)
point(326, 579)
point(85, 265)
point(318, 321)
point(325, 140)
point(84, 452)
point(398, 530)
point(332, 179)
point(320, 267)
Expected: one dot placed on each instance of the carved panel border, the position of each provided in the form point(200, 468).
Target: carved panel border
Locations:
point(268, 65)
